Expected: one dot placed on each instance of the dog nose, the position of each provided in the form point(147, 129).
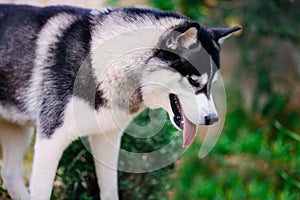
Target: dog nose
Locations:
point(210, 119)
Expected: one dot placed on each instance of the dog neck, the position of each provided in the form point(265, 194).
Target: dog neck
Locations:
point(119, 51)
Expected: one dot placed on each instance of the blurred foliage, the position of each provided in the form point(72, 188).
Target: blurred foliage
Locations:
point(248, 162)
point(75, 177)
point(148, 185)
point(257, 156)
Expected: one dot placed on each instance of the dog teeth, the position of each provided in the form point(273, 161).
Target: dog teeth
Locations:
point(181, 125)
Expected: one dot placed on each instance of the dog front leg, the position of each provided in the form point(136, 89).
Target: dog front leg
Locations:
point(105, 148)
point(47, 152)
point(14, 140)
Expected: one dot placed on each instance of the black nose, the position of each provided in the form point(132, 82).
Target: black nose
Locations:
point(210, 119)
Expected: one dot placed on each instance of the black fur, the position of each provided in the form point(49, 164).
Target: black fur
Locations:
point(19, 29)
point(20, 26)
point(195, 63)
point(71, 62)
point(100, 101)
point(187, 62)
point(133, 14)
point(18, 34)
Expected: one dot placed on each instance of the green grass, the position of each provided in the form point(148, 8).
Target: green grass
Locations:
point(255, 158)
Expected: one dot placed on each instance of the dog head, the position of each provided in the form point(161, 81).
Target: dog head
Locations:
point(180, 73)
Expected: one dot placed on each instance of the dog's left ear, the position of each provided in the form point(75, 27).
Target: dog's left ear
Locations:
point(185, 39)
point(220, 34)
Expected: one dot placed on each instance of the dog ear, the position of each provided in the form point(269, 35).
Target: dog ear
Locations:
point(188, 37)
point(220, 34)
point(185, 39)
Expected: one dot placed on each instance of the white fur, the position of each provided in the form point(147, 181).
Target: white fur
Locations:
point(110, 27)
point(185, 39)
point(216, 77)
point(14, 141)
point(156, 89)
point(203, 79)
point(12, 114)
point(45, 162)
point(80, 120)
point(97, 12)
point(106, 163)
point(119, 37)
point(119, 51)
point(222, 39)
point(49, 35)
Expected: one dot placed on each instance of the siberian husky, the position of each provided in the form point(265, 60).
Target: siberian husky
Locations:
point(72, 72)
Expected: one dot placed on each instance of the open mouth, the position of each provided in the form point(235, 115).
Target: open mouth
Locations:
point(177, 110)
point(180, 119)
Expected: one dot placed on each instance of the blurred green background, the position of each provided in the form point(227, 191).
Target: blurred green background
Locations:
point(258, 153)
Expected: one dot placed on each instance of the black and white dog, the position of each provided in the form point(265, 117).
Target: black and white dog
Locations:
point(73, 72)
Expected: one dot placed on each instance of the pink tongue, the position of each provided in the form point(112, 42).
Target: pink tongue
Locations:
point(189, 132)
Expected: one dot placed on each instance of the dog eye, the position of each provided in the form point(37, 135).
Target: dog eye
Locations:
point(193, 82)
